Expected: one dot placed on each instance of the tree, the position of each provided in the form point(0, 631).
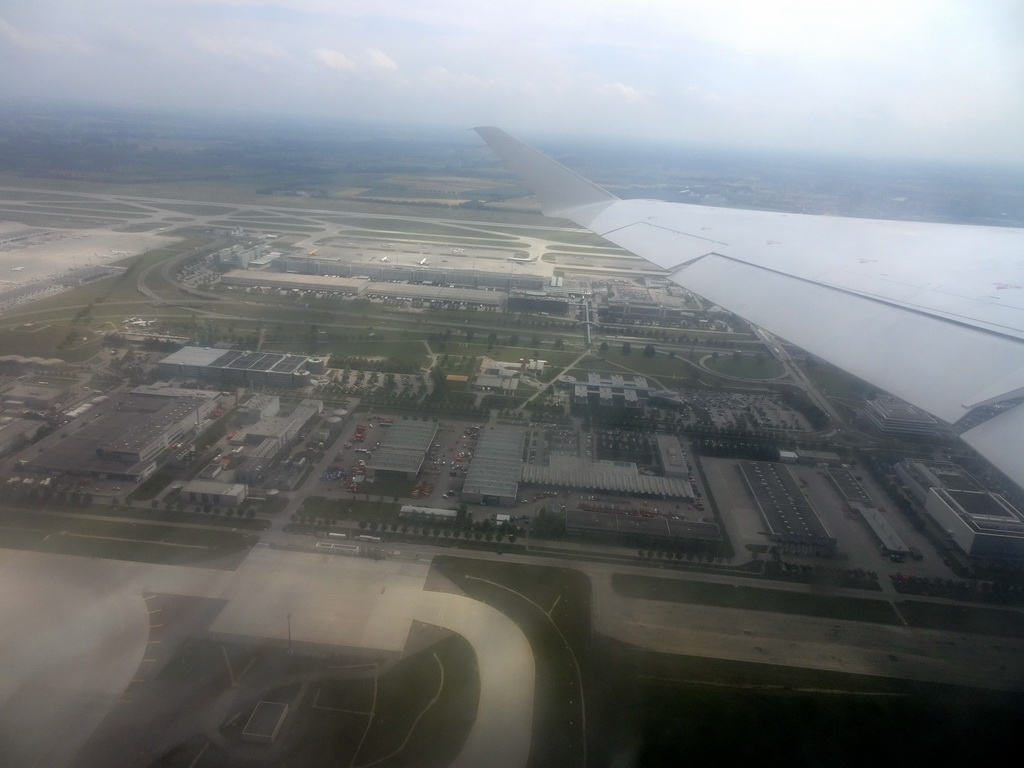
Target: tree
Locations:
point(627, 348)
point(604, 347)
point(649, 350)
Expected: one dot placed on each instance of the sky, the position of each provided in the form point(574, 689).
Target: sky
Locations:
point(939, 79)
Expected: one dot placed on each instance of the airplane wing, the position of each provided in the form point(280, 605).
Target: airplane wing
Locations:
point(933, 313)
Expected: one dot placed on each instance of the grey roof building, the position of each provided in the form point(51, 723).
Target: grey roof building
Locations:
point(236, 367)
point(496, 468)
point(403, 449)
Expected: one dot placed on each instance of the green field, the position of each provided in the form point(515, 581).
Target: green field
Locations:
point(979, 619)
point(745, 366)
point(667, 710)
point(754, 598)
point(123, 540)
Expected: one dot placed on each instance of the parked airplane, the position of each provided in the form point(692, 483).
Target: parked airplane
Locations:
point(384, 258)
point(422, 262)
point(933, 313)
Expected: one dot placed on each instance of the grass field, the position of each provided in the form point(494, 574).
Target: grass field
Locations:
point(835, 382)
point(979, 619)
point(745, 366)
point(667, 710)
point(127, 540)
point(754, 599)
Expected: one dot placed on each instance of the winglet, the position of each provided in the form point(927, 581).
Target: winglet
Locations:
point(558, 188)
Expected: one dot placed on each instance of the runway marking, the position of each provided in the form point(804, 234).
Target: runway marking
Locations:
point(155, 626)
point(155, 610)
point(22, 528)
point(317, 705)
point(149, 597)
point(369, 722)
point(202, 751)
point(148, 661)
point(154, 642)
point(412, 728)
point(371, 665)
point(751, 686)
point(135, 541)
point(247, 666)
point(552, 608)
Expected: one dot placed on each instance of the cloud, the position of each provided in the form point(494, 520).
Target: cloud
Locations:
point(626, 93)
point(380, 60)
point(335, 60)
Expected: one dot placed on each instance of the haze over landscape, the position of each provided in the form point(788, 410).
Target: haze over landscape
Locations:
point(940, 80)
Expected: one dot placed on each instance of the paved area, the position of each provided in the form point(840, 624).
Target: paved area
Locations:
point(75, 630)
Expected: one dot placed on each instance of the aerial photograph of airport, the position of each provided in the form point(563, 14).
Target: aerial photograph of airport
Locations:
point(509, 386)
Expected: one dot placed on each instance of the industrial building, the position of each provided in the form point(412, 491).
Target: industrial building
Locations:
point(266, 441)
point(496, 468)
point(786, 512)
point(123, 436)
point(602, 476)
point(236, 367)
point(259, 407)
point(36, 397)
point(211, 492)
point(15, 432)
point(403, 449)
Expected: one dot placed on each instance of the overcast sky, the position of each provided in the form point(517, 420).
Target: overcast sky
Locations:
point(932, 78)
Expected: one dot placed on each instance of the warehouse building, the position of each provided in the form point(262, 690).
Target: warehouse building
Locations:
point(123, 437)
point(32, 397)
point(653, 531)
point(602, 476)
point(211, 492)
point(497, 466)
point(403, 449)
point(236, 367)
